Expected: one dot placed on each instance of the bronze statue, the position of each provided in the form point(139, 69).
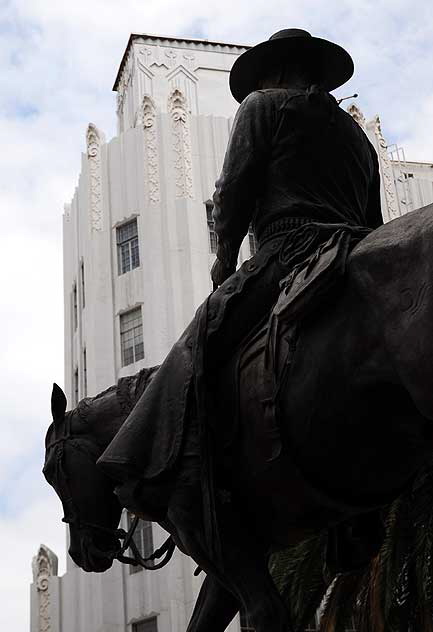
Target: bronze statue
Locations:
point(299, 169)
point(271, 416)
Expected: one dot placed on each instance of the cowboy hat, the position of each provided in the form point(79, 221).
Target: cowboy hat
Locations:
point(336, 65)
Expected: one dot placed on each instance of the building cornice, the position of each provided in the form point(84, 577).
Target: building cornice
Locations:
point(413, 162)
point(163, 38)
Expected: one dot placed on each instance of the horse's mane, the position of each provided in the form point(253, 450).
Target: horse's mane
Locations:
point(127, 390)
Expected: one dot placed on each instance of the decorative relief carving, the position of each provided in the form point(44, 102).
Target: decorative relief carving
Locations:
point(172, 57)
point(178, 110)
point(189, 60)
point(165, 57)
point(153, 56)
point(44, 566)
point(356, 114)
point(125, 80)
point(386, 171)
point(145, 69)
point(119, 102)
point(144, 86)
point(182, 72)
point(94, 141)
point(67, 212)
point(186, 82)
point(146, 55)
point(151, 175)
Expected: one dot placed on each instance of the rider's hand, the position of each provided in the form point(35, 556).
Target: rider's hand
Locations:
point(220, 272)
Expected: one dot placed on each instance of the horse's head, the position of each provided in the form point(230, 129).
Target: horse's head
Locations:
point(90, 507)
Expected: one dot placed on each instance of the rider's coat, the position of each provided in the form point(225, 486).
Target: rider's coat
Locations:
point(294, 153)
point(291, 154)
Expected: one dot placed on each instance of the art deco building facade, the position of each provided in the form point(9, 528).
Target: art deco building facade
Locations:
point(138, 246)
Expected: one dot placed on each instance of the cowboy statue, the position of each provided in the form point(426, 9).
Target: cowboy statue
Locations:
point(295, 159)
point(302, 172)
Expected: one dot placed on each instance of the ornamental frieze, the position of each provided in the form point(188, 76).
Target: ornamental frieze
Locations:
point(94, 140)
point(386, 171)
point(44, 567)
point(178, 110)
point(151, 166)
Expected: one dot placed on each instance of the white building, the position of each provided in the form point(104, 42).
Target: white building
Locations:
point(405, 186)
point(138, 246)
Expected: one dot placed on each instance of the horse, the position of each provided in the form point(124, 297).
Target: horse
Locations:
point(355, 411)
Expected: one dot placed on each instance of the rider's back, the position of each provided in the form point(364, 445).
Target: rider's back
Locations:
point(321, 163)
point(295, 153)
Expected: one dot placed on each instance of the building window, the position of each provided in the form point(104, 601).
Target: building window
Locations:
point(85, 372)
point(76, 394)
point(83, 289)
point(213, 240)
point(245, 622)
point(128, 256)
point(148, 625)
point(131, 336)
point(75, 306)
point(143, 538)
point(252, 241)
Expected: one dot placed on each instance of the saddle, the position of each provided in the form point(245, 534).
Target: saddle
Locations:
point(313, 280)
point(317, 262)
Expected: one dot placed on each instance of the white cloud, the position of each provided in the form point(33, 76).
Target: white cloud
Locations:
point(58, 64)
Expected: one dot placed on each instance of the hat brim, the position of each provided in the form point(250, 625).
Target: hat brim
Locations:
point(336, 64)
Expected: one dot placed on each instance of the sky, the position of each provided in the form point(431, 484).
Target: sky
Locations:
point(58, 62)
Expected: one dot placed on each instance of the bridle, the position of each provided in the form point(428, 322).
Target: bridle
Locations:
point(72, 515)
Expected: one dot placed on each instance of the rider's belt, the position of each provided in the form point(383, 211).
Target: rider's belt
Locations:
point(282, 225)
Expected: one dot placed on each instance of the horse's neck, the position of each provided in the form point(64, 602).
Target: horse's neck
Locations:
point(100, 418)
point(106, 412)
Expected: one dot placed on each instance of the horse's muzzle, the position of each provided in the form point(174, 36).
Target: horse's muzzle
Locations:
point(92, 558)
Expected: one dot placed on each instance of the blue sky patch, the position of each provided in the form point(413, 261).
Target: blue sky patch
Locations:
point(197, 29)
point(21, 110)
point(26, 110)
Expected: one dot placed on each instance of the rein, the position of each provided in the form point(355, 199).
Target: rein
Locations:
point(167, 548)
point(72, 516)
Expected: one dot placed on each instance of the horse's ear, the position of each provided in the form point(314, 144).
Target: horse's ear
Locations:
point(58, 403)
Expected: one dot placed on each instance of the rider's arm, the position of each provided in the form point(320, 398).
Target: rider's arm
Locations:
point(242, 174)
point(373, 213)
